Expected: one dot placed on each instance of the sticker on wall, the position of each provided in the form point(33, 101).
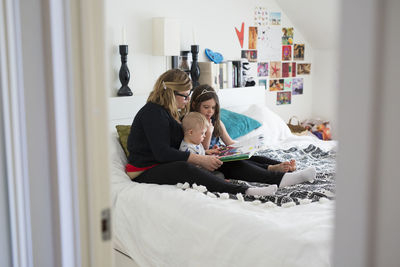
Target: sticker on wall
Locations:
point(251, 55)
point(276, 85)
point(287, 36)
point(287, 84)
point(262, 69)
point(240, 34)
point(283, 98)
point(286, 52)
point(288, 69)
point(260, 16)
point(303, 69)
point(297, 86)
point(275, 69)
point(298, 52)
point(252, 37)
point(262, 82)
point(275, 18)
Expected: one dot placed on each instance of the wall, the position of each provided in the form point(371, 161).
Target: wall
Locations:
point(325, 87)
point(214, 29)
point(319, 23)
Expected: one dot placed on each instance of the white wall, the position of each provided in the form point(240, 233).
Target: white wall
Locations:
point(214, 28)
point(319, 22)
point(325, 87)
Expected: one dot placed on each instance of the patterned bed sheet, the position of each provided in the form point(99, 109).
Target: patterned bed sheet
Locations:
point(322, 189)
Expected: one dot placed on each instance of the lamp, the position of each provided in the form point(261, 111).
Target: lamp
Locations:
point(167, 39)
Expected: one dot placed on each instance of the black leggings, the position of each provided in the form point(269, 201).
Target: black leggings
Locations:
point(263, 161)
point(182, 171)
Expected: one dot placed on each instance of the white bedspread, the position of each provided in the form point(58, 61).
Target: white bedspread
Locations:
point(162, 225)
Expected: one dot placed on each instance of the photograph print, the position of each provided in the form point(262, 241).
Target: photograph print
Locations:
point(303, 69)
point(276, 85)
point(283, 98)
point(298, 52)
point(262, 69)
point(251, 55)
point(286, 52)
point(297, 86)
point(275, 69)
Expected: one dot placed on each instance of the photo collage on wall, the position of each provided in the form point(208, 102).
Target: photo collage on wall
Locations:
point(276, 53)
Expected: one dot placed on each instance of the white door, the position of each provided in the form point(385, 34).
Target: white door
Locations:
point(55, 154)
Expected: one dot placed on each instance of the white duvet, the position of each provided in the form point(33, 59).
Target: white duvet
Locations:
point(162, 225)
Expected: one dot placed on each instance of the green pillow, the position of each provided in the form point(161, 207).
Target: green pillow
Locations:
point(237, 124)
point(123, 133)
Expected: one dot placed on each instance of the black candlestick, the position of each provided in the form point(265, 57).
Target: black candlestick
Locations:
point(124, 74)
point(195, 70)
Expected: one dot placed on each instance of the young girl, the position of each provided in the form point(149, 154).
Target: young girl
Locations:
point(205, 100)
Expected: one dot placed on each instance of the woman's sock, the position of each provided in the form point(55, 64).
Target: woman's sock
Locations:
point(262, 191)
point(305, 175)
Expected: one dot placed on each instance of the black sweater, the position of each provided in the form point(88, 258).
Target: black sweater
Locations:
point(155, 137)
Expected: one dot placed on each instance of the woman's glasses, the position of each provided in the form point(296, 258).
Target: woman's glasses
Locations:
point(182, 95)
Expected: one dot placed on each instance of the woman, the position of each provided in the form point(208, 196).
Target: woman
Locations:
point(205, 100)
point(156, 134)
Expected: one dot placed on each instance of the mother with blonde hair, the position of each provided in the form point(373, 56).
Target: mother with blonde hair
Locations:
point(155, 137)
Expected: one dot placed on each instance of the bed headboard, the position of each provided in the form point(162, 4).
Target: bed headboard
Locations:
point(122, 110)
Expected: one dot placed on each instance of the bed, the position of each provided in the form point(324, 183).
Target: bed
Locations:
point(181, 225)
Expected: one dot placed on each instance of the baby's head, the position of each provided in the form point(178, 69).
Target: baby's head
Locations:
point(194, 126)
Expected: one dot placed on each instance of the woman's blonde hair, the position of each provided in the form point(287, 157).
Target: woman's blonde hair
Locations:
point(164, 88)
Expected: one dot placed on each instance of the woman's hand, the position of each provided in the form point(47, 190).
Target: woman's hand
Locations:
point(210, 163)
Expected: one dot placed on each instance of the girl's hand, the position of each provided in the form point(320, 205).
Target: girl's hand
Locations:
point(210, 163)
point(210, 128)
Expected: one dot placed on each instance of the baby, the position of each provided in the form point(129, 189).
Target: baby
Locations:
point(194, 126)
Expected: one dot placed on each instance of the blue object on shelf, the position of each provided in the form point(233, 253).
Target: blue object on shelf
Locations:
point(214, 56)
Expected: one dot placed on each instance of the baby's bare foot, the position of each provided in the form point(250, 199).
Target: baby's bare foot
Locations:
point(281, 167)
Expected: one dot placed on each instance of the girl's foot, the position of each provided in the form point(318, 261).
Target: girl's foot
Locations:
point(292, 167)
point(287, 166)
point(281, 167)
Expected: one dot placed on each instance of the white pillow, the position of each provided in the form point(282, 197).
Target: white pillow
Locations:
point(118, 161)
point(273, 127)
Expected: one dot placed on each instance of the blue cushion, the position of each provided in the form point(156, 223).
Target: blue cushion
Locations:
point(237, 124)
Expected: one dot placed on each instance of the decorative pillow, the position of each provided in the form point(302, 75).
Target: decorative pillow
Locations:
point(123, 133)
point(237, 124)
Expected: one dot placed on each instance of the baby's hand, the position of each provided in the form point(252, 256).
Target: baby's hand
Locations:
point(213, 151)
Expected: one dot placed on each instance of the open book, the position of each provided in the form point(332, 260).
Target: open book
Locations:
point(241, 150)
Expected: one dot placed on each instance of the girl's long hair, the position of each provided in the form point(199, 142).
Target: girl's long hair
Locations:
point(203, 93)
point(163, 91)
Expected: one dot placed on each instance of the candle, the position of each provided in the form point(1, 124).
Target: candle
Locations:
point(194, 35)
point(124, 36)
